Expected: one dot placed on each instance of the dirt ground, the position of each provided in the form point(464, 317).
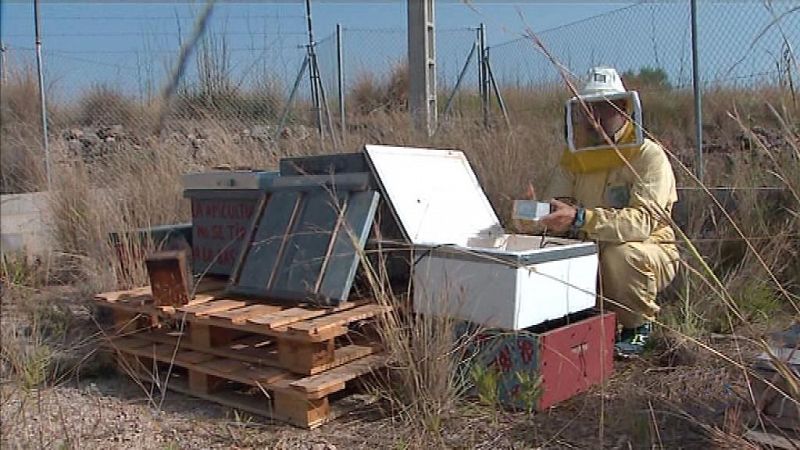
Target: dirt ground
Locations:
point(643, 406)
point(646, 404)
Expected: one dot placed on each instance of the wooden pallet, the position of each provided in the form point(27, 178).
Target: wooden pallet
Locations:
point(302, 339)
point(299, 355)
point(275, 393)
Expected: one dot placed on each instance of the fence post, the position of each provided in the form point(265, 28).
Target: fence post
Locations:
point(698, 110)
point(340, 77)
point(461, 75)
point(3, 63)
point(484, 76)
point(314, 76)
point(287, 108)
point(39, 68)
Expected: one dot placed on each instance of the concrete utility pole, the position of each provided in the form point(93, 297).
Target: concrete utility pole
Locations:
point(422, 65)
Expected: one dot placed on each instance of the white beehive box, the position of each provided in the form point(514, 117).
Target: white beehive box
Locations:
point(465, 265)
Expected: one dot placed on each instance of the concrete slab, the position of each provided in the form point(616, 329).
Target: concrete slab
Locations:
point(24, 224)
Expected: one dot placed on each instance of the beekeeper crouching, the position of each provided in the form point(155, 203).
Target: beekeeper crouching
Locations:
point(619, 194)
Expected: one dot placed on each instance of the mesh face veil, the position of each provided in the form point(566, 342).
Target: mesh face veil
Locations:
point(603, 111)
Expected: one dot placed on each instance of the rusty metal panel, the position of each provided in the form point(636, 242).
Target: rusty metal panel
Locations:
point(169, 278)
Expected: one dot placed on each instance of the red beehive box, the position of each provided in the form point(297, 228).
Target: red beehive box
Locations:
point(556, 360)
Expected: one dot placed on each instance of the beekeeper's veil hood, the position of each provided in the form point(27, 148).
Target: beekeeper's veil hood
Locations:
point(603, 124)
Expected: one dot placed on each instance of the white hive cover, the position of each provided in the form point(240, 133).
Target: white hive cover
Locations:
point(434, 193)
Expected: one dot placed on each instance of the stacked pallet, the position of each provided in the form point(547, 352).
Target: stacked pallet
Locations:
point(295, 359)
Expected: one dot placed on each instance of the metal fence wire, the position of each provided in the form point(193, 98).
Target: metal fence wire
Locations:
point(243, 72)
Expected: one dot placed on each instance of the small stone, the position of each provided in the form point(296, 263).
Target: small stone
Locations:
point(74, 146)
point(90, 139)
point(261, 132)
point(73, 133)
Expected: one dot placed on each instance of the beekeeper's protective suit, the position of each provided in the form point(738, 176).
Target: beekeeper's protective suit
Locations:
point(621, 205)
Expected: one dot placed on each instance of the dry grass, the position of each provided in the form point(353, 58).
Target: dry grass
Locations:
point(138, 185)
point(20, 127)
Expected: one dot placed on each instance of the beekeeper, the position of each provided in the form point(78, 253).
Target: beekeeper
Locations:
point(616, 187)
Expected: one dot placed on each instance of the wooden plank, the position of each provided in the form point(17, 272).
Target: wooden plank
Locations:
point(286, 317)
point(242, 314)
point(223, 365)
point(264, 376)
point(205, 285)
point(204, 335)
point(322, 383)
point(257, 349)
point(133, 309)
point(252, 341)
point(302, 357)
point(128, 343)
point(254, 404)
point(242, 372)
point(215, 306)
point(203, 383)
point(164, 352)
point(115, 296)
point(217, 367)
point(211, 295)
point(322, 324)
point(266, 331)
point(301, 411)
point(343, 356)
point(193, 357)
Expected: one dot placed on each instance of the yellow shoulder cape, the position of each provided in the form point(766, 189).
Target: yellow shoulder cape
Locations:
point(602, 158)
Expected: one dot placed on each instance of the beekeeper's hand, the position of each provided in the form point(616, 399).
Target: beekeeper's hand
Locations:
point(560, 220)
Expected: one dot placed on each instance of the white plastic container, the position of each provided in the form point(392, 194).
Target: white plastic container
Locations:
point(465, 265)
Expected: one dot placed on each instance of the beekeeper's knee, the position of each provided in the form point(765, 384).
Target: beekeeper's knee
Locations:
point(622, 261)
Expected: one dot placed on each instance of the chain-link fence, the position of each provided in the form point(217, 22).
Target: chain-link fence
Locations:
point(740, 45)
point(244, 78)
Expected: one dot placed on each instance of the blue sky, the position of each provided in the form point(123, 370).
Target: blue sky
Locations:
point(131, 44)
point(105, 42)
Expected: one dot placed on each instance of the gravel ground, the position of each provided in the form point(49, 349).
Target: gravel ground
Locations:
point(648, 403)
point(113, 411)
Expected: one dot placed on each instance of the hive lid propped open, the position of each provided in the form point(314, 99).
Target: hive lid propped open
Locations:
point(434, 194)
